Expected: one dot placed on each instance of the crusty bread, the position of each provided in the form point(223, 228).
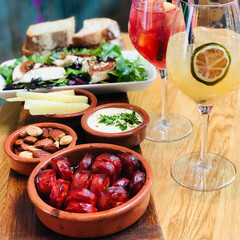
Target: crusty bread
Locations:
point(26, 52)
point(95, 31)
point(50, 35)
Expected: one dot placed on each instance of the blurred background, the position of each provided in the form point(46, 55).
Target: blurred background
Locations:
point(17, 15)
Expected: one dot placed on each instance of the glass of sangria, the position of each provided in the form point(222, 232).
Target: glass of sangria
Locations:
point(150, 23)
point(203, 62)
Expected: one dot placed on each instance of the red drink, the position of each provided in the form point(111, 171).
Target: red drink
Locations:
point(150, 25)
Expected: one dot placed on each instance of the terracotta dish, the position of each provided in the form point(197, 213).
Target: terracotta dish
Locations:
point(128, 139)
point(25, 165)
point(72, 120)
point(85, 225)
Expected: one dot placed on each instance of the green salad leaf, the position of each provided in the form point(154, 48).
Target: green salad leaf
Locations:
point(73, 71)
point(107, 50)
point(6, 72)
point(58, 53)
point(104, 51)
point(41, 59)
point(56, 83)
point(128, 71)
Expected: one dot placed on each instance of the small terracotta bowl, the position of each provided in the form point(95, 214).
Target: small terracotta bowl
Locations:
point(26, 165)
point(90, 225)
point(128, 139)
point(72, 120)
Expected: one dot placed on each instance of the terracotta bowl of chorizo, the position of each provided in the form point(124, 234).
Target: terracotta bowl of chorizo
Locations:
point(31, 144)
point(91, 190)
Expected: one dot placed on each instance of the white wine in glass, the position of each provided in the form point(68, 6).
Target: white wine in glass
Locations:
point(203, 58)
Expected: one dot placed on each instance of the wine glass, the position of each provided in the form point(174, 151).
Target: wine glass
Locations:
point(150, 23)
point(203, 59)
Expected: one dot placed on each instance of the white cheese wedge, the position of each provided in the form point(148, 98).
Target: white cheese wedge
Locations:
point(17, 74)
point(71, 59)
point(67, 61)
point(37, 65)
point(19, 71)
point(46, 73)
point(16, 99)
point(42, 107)
point(52, 97)
point(98, 71)
point(64, 92)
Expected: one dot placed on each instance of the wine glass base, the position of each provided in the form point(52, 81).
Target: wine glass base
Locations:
point(175, 127)
point(217, 172)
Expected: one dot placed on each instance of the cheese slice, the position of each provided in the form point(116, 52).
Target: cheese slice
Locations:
point(43, 107)
point(65, 92)
point(16, 99)
point(52, 97)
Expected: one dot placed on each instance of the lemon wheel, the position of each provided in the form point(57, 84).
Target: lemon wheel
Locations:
point(210, 63)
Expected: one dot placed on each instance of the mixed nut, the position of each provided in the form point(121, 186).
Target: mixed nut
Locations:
point(36, 142)
point(96, 184)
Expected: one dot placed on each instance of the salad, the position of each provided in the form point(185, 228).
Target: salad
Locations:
point(72, 67)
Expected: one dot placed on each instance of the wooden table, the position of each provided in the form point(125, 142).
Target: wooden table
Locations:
point(183, 214)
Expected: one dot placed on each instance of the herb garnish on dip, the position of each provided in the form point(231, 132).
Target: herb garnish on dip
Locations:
point(114, 120)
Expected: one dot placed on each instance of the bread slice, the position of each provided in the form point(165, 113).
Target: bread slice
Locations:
point(26, 52)
point(48, 36)
point(95, 31)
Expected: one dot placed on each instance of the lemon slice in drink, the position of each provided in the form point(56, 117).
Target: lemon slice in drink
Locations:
point(168, 6)
point(210, 63)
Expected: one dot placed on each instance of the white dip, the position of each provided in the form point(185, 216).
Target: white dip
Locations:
point(93, 120)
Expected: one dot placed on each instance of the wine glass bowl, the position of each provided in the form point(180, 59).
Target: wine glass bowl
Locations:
point(150, 23)
point(203, 59)
point(149, 29)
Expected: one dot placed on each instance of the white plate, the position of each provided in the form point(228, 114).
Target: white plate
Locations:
point(95, 88)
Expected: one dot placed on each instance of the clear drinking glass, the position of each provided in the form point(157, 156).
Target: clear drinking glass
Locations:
point(203, 58)
point(150, 23)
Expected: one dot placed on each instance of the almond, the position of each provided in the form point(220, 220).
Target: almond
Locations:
point(40, 153)
point(30, 139)
point(45, 133)
point(26, 154)
point(32, 148)
point(34, 131)
point(43, 142)
point(25, 147)
point(56, 134)
point(57, 144)
point(23, 133)
point(51, 148)
point(66, 140)
point(19, 141)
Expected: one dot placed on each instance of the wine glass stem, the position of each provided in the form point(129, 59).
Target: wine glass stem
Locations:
point(205, 113)
point(163, 76)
